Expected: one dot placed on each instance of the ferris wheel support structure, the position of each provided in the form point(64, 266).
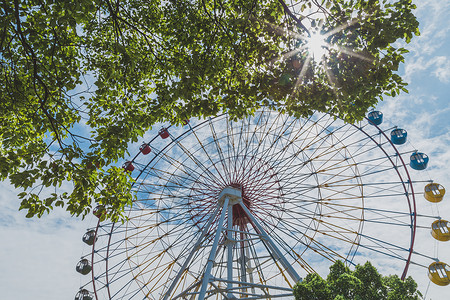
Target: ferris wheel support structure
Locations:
point(191, 254)
point(229, 197)
point(229, 209)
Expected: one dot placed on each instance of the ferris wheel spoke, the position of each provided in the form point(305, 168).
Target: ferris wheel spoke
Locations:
point(317, 169)
point(242, 140)
point(257, 135)
point(119, 274)
point(354, 150)
point(153, 246)
point(329, 164)
point(142, 229)
point(383, 247)
point(176, 200)
point(127, 290)
point(376, 215)
point(231, 146)
point(176, 225)
point(102, 250)
point(171, 183)
point(394, 212)
point(266, 144)
point(271, 135)
point(187, 171)
point(246, 162)
point(207, 154)
point(206, 173)
point(219, 151)
point(311, 189)
point(324, 251)
point(391, 217)
point(282, 163)
point(347, 191)
point(341, 234)
point(387, 222)
point(292, 230)
point(343, 214)
point(281, 144)
point(159, 272)
point(322, 143)
point(315, 132)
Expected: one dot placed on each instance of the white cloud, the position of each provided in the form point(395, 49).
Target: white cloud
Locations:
point(428, 52)
point(437, 66)
point(38, 256)
point(442, 68)
point(433, 17)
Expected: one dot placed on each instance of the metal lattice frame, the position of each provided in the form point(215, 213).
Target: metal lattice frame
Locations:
point(312, 191)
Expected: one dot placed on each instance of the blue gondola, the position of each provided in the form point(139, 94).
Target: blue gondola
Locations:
point(419, 161)
point(375, 117)
point(398, 136)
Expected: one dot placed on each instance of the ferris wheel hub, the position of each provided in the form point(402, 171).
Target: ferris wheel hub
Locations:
point(234, 195)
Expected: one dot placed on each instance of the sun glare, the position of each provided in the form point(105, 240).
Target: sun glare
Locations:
point(316, 45)
point(318, 50)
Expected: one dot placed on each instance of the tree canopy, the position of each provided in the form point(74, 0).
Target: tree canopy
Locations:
point(82, 79)
point(364, 283)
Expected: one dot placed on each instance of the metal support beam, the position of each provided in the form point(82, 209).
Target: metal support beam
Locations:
point(250, 274)
point(242, 259)
point(271, 245)
point(191, 254)
point(212, 254)
point(230, 244)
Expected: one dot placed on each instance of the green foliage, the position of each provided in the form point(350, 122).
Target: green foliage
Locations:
point(364, 283)
point(81, 79)
point(313, 287)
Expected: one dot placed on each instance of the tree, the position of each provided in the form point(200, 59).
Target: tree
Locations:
point(364, 283)
point(82, 79)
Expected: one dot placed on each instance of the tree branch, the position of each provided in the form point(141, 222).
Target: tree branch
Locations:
point(42, 101)
point(294, 17)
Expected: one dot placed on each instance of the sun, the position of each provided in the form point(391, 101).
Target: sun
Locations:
point(316, 45)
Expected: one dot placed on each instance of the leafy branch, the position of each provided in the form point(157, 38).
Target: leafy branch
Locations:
point(148, 62)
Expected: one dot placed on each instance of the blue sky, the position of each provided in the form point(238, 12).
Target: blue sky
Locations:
point(38, 256)
point(425, 113)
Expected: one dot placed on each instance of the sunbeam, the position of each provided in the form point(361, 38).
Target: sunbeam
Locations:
point(302, 74)
point(350, 52)
point(331, 78)
point(286, 55)
point(313, 48)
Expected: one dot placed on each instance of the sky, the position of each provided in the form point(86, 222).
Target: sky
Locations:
point(38, 256)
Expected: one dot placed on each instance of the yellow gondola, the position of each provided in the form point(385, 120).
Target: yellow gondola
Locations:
point(440, 230)
point(434, 192)
point(439, 274)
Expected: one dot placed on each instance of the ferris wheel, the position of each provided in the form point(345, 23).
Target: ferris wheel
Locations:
point(246, 208)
